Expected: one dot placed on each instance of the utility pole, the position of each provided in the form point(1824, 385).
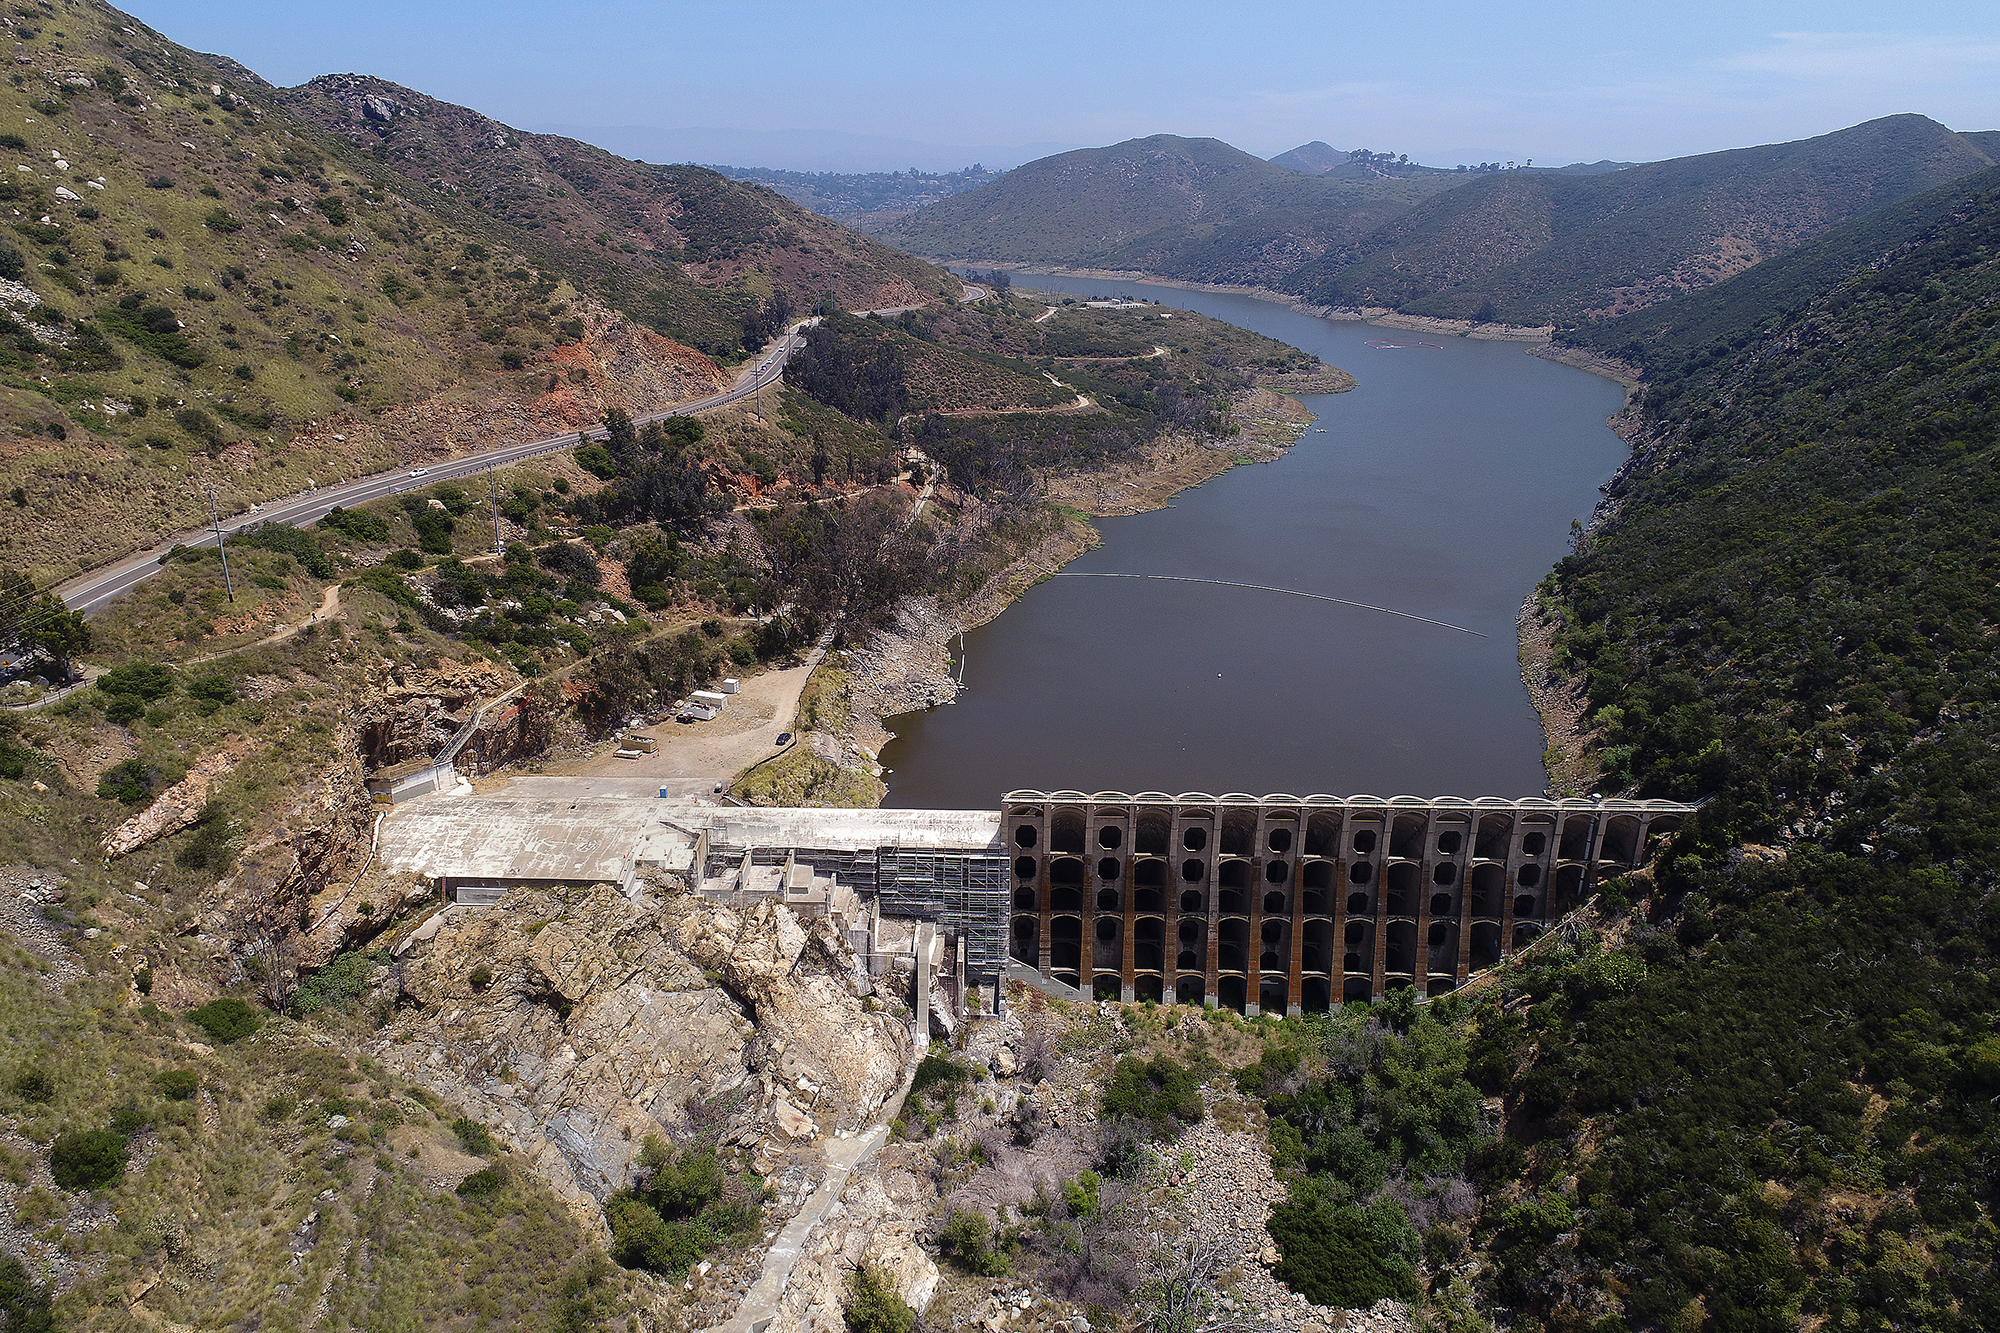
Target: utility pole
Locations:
point(228, 585)
point(493, 490)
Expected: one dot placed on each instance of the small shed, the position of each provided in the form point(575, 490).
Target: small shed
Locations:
point(411, 778)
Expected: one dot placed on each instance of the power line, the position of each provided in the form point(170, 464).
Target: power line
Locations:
point(216, 514)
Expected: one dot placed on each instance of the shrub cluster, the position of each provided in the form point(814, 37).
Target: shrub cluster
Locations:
point(874, 1306)
point(85, 1159)
point(226, 1020)
point(1382, 1137)
point(684, 1205)
point(341, 981)
point(1160, 1093)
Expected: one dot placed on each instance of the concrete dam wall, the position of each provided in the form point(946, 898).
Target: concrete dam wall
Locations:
point(1280, 904)
point(1289, 904)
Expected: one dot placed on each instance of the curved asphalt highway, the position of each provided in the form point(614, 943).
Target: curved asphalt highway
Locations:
point(92, 591)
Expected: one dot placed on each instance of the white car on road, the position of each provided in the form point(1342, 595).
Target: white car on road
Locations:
point(421, 472)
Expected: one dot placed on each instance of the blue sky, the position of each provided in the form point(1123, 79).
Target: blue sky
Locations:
point(893, 84)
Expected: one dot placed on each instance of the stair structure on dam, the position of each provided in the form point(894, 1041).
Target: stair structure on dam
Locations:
point(1279, 904)
point(1288, 904)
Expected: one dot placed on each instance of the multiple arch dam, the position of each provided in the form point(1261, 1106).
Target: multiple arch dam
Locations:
point(1280, 904)
point(1288, 904)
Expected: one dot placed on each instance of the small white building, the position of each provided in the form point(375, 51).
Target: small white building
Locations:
point(412, 777)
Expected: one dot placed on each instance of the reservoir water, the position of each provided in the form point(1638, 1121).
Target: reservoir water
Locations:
point(1444, 486)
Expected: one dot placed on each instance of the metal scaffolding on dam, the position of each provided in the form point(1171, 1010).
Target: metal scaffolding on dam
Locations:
point(1292, 904)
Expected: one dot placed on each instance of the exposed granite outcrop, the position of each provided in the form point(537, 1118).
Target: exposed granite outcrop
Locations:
point(881, 1221)
point(607, 1020)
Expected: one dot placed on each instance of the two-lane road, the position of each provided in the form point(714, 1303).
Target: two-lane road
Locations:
point(92, 591)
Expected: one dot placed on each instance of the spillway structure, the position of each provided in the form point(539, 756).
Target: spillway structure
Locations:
point(1293, 904)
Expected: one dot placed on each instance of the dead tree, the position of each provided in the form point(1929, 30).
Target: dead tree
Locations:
point(1178, 1290)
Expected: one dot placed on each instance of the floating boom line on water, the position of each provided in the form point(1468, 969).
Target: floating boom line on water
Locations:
point(1289, 592)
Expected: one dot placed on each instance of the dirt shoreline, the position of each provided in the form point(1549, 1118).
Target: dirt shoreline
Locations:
point(1568, 753)
point(1609, 368)
point(1383, 315)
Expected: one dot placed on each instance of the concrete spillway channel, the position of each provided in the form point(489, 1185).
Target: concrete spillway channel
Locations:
point(843, 1158)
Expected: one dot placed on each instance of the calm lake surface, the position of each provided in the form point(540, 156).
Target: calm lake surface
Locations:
point(1444, 486)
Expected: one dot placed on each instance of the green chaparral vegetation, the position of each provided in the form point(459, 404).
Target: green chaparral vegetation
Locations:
point(240, 1171)
point(1681, 337)
point(1144, 372)
point(1780, 1109)
point(1535, 248)
point(682, 1205)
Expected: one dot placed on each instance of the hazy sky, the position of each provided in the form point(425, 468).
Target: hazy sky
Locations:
point(1445, 82)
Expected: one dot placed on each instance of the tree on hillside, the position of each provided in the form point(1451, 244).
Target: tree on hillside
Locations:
point(766, 322)
point(37, 624)
point(849, 562)
point(851, 370)
point(619, 435)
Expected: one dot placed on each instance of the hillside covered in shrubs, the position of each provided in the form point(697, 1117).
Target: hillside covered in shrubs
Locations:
point(1767, 1095)
point(213, 281)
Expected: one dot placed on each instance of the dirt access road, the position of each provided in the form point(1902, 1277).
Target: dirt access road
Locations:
point(693, 756)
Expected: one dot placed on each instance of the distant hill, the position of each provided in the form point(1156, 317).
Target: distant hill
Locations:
point(1155, 204)
point(1561, 245)
point(1531, 248)
point(1677, 338)
point(1075, 206)
point(877, 195)
point(1319, 159)
point(1313, 159)
point(1597, 168)
point(1987, 140)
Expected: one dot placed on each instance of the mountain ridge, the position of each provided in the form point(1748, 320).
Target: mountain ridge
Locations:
point(1535, 248)
point(1312, 159)
point(235, 288)
point(1667, 338)
point(1529, 247)
point(1136, 204)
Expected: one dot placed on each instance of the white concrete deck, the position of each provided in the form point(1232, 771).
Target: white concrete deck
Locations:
point(506, 836)
point(852, 830)
point(503, 838)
